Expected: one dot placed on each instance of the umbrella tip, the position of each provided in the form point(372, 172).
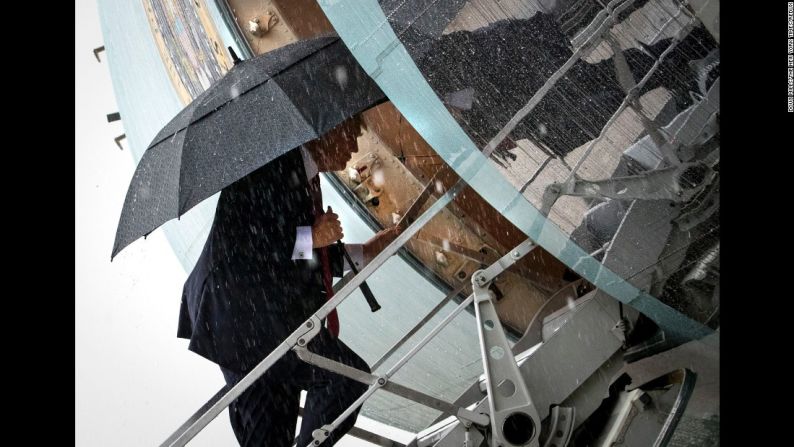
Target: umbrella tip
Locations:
point(234, 56)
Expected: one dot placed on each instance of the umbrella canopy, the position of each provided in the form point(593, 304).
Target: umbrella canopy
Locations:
point(260, 109)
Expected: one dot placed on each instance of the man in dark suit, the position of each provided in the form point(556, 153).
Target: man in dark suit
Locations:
point(487, 75)
point(259, 277)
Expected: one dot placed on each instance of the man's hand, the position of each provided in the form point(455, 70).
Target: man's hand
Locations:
point(326, 229)
point(378, 242)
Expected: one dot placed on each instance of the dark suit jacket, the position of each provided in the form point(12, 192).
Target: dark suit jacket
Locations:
point(506, 62)
point(245, 294)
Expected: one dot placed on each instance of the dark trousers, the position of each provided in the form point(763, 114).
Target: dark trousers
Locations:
point(267, 412)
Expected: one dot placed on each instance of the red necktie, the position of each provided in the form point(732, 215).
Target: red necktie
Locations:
point(333, 318)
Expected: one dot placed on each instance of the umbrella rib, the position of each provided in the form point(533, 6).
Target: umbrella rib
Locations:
point(194, 120)
point(186, 190)
point(180, 185)
point(179, 210)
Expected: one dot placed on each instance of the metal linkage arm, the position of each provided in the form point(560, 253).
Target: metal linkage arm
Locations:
point(678, 183)
point(322, 433)
point(514, 418)
point(419, 325)
point(392, 387)
point(627, 81)
point(303, 334)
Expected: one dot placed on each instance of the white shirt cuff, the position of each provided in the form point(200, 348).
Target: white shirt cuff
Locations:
point(356, 252)
point(303, 244)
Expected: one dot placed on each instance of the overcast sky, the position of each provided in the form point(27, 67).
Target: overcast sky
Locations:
point(135, 382)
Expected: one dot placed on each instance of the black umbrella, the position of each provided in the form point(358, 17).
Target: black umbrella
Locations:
point(262, 108)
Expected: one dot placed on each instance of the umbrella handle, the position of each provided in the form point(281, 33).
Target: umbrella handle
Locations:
point(365, 290)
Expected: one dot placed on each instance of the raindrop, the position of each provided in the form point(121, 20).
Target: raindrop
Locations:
point(497, 352)
point(340, 73)
point(377, 177)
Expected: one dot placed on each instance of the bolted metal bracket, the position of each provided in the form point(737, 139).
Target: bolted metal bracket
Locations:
point(468, 417)
point(311, 328)
point(321, 434)
point(562, 424)
point(259, 26)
